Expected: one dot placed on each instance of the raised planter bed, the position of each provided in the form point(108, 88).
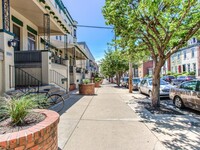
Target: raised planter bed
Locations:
point(43, 135)
point(97, 84)
point(72, 87)
point(86, 89)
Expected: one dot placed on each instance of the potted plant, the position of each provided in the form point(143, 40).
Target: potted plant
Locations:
point(97, 81)
point(86, 88)
point(24, 127)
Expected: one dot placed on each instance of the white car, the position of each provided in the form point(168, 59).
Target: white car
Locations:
point(145, 87)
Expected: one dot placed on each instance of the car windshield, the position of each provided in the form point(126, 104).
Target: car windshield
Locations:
point(162, 82)
point(181, 77)
point(136, 80)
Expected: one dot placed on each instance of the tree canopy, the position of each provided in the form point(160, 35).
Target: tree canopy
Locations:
point(160, 27)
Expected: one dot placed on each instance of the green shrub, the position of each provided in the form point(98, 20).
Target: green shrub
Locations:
point(86, 81)
point(97, 79)
point(18, 108)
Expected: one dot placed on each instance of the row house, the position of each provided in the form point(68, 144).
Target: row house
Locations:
point(38, 44)
point(187, 58)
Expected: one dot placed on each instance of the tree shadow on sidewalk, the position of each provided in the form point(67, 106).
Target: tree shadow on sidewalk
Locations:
point(173, 130)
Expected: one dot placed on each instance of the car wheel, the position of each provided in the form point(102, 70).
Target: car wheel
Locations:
point(150, 94)
point(178, 102)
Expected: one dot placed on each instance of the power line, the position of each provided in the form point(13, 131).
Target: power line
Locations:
point(86, 26)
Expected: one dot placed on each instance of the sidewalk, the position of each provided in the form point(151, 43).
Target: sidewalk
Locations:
point(103, 122)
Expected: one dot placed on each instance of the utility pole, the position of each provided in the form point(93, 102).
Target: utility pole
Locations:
point(130, 77)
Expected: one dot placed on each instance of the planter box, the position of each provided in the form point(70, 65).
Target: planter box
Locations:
point(86, 89)
point(97, 84)
point(42, 135)
point(72, 87)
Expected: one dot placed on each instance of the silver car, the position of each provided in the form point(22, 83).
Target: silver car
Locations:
point(145, 87)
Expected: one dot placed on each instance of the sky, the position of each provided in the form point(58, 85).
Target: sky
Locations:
point(89, 12)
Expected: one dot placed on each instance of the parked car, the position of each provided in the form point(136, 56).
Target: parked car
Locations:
point(181, 79)
point(135, 82)
point(124, 81)
point(145, 87)
point(187, 94)
point(168, 78)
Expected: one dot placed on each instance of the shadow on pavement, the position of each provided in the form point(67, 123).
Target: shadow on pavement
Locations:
point(174, 131)
point(70, 102)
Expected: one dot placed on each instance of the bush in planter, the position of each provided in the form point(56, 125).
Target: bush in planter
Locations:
point(18, 108)
point(97, 79)
point(86, 81)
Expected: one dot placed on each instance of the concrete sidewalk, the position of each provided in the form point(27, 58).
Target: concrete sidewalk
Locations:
point(103, 122)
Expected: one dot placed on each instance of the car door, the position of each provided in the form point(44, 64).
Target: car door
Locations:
point(188, 94)
point(197, 96)
point(145, 87)
point(142, 85)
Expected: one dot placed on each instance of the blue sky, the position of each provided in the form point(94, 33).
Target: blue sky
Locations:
point(88, 12)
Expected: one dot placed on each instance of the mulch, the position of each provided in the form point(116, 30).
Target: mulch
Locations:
point(31, 119)
point(161, 110)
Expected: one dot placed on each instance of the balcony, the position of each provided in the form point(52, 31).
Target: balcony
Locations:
point(71, 69)
point(57, 60)
point(78, 70)
point(27, 57)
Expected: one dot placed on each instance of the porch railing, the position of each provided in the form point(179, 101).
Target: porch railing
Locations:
point(28, 57)
point(71, 69)
point(58, 79)
point(57, 60)
point(21, 80)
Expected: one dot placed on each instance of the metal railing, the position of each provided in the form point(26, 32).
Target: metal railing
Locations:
point(57, 60)
point(28, 57)
point(78, 70)
point(21, 80)
point(58, 79)
point(71, 69)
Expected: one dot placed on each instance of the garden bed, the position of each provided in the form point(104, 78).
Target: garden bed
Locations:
point(161, 110)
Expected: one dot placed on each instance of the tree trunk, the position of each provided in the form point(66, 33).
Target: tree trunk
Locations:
point(118, 78)
point(130, 78)
point(155, 95)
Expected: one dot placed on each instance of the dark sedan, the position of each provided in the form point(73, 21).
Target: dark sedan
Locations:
point(181, 79)
point(186, 94)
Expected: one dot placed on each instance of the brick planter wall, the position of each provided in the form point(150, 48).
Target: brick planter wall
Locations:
point(72, 87)
point(97, 84)
point(41, 136)
point(86, 89)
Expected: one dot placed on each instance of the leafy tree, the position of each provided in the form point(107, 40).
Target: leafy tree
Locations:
point(160, 27)
point(114, 63)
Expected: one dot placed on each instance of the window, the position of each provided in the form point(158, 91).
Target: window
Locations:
point(191, 85)
point(194, 40)
point(194, 67)
point(56, 37)
point(185, 54)
point(175, 69)
point(188, 67)
point(178, 55)
point(60, 38)
point(192, 53)
point(16, 31)
point(31, 42)
point(75, 33)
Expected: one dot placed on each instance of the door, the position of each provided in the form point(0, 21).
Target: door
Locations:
point(16, 31)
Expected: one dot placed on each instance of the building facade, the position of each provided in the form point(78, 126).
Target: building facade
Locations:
point(187, 58)
point(38, 44)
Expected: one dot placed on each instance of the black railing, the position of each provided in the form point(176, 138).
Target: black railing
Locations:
point(28, 57)
point(21, 80)
point(78, 70)
point(71, 69)
point(86, 71)
point(58, 79)
point(57, 60)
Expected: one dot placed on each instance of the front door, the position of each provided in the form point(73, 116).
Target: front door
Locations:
point(16, 31)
